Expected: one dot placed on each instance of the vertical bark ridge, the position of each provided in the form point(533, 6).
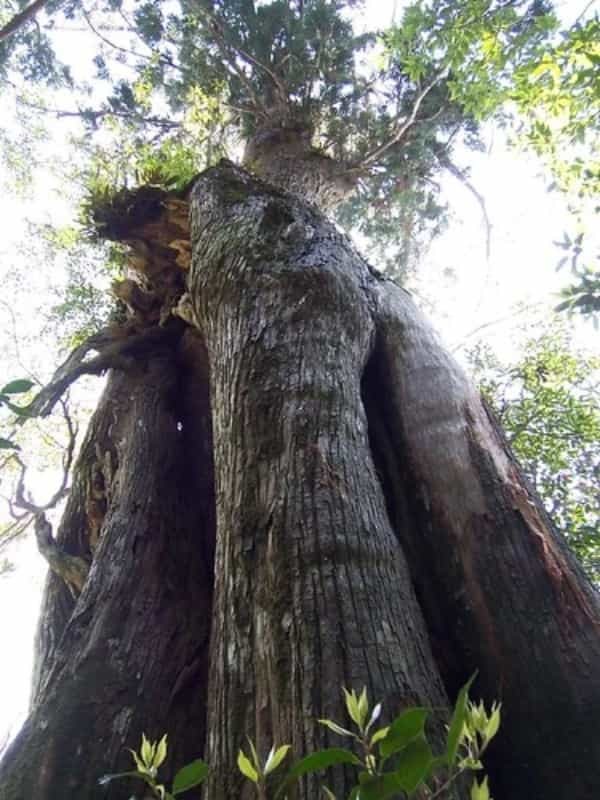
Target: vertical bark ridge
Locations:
point(499, 588)
point(311, 591)
point(79, 525)
point(133, 654)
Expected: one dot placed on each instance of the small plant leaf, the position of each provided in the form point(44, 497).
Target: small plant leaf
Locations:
point(403, 730)
point(480, 791)
point(6, 444)
point(254, 754)
point(493, 723)
point(379, 735)
point(189, 776)
point(315, 762)
point(414, 764)
point(352, 706)
point(363, 708)
point(275, 758)
point(379, 787)
point(246, 768)
point(146, 751)
point(17, 387)
point(458, 719)
point(138, 761)
point(161, 752)
point(333, 726)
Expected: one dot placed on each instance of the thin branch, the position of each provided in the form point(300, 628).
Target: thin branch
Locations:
point(21, 19)
point(15, 338)
point(14, 530)
point(584, 12)
point(493, 322)
point(72, 569)
point(165, 59)
point(99, 114)
point(396, 137)
point(457, 173)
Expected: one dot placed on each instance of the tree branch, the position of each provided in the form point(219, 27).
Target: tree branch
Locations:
point(400, 131)
point(21, 19)
point(457, 173)
point(115, 351)
point(72, 569)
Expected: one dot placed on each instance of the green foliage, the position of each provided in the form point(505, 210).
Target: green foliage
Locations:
point(80, 305)
point(547, 403)
point(148, 759)
point(478, 43)
point(391, 762)
point(511, 62)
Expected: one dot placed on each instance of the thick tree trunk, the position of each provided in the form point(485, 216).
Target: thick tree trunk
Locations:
point(312, 591)
point(499, 588)
point(372, 528)
point(132, 655)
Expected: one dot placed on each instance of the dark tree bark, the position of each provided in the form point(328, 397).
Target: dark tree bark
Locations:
point(372, 528)
point(132, 652)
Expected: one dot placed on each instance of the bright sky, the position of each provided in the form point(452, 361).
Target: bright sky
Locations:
point(468, 292)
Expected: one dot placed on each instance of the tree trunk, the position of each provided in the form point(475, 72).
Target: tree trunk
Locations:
point(500, 590)
point(372, 529)
point(132, 655)
point(312, 591)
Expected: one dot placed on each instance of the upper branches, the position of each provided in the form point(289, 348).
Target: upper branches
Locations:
point(22, 18)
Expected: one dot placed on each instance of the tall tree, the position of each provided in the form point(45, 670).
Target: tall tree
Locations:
point(288, 485)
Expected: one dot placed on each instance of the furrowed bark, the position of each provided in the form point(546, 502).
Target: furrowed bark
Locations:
point(312, 591)
point(500, 590)
point(132, 656)
point(79, 529)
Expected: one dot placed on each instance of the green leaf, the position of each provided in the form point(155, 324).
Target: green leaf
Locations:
point(315, 762)
point(493, 723)
point(480, 791)
point(17, 387)
point(353, 707)
point(138, 761)
point(161, 752)
point(379, 735)
point(275, 758)
point(147, 751)
point(189, 776)
point(408, 726)
point(458, 719)
point(363, 708)
point(21, 411)
point(246, 768)
point(379, 787)
point(6, 444)
point(333, 726)
point(414, 764)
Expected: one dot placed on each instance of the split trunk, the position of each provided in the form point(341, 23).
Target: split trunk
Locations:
point(299, 490)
